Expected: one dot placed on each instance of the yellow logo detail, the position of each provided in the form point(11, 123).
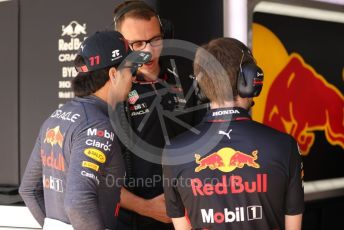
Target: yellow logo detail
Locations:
point(95, 154)
point(90, 165)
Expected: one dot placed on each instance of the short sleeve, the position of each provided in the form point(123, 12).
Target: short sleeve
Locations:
point(295, 192)
point(174, 204)
point(95, 154)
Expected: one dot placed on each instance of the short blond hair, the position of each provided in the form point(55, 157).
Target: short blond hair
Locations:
point(140, 11)
point(216, 67)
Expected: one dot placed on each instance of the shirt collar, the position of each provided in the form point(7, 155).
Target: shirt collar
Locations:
point(227, 114)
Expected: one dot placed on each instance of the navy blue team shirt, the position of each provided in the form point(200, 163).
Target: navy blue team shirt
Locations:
point(75, 169)
point(241, 175)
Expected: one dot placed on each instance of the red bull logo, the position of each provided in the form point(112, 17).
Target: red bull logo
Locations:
point(54, 137)
point(295, 98)
point(240, 159)
point(233, 184)
point(226, 160)
point(50, 161)
point(73, 29)
point(303, 110)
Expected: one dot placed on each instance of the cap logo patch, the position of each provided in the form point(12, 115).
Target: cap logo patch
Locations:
point(115, 55)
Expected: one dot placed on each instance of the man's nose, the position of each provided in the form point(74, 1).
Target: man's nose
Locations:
point(148, 48)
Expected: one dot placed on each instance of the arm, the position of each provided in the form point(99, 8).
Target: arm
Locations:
point(89, 202)
point(293, 222)
point(295, 193)
point(181, 223)
point(154, 208)
point(174, 203)
point(31, 187)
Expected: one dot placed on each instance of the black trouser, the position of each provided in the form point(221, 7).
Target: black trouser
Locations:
point(128, 220)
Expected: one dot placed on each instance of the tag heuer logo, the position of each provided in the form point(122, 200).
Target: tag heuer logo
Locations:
point(133, 97)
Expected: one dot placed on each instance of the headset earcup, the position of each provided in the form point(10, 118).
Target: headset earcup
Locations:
point(167, 28)
point(250, 80)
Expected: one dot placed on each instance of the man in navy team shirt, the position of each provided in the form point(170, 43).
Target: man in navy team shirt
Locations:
point(243, 175)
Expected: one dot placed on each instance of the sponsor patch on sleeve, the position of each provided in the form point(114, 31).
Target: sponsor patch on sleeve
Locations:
point(95, 154)
point(90, 165)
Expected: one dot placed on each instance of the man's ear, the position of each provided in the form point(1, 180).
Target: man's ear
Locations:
point(112, 74)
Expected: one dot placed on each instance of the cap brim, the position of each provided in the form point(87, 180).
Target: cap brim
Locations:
point(138, 57)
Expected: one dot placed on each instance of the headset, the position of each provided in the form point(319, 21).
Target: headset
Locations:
point(249, 77)
point(166, 26)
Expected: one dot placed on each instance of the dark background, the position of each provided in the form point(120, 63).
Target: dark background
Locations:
point(196, 21)
point(32, 71)
point(321, 45)
point(9, 93)
point(40, 23)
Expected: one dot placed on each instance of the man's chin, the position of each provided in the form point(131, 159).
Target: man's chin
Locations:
point(148, 70)
point(149, 64)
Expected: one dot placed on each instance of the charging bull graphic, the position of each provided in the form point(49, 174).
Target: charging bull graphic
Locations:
point(54, 137)
point(320, 108)
point(73, 29)
point(295, 98)
point(226, 160)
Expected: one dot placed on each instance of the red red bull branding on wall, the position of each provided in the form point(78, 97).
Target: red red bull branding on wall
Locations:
point(296, 99)
point(301, 117)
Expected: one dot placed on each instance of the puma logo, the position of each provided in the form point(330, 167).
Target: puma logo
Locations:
point(226, 134)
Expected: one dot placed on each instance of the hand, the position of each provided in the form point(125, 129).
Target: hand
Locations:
point(156, 209)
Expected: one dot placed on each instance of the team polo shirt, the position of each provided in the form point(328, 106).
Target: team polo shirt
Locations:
point(76, 169)
point(242, 175)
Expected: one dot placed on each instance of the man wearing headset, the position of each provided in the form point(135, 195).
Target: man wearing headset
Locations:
point(143, 207)
point(67, 182)
point(245, 175)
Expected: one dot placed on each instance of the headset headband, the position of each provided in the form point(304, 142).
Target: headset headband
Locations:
point(131, 6)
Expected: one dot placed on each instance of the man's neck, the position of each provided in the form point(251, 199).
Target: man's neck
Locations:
point(239, 102)
point(215, 105)
point(102, 93)
point(151, 76)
